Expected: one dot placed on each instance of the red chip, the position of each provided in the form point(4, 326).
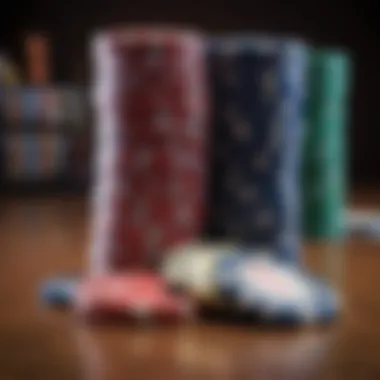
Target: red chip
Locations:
point(138, 296)
point(151, 120)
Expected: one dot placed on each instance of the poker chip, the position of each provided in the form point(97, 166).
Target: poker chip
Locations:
point(177, 265)
point(149, 97)
point(138, 297)
point(192, 268)
point(227, 269)
point(324, 182)
point(257, 91)
point(364, 224)
point(59, 291)
point(275, 291)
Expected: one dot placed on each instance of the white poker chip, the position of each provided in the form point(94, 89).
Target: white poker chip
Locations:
point(227, 271)
point(279, 285)
point(276, 291)
point(191, 267)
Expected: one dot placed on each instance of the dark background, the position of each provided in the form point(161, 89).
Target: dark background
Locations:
point(353, 26)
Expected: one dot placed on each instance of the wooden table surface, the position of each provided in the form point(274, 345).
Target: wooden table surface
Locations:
point(44, 237)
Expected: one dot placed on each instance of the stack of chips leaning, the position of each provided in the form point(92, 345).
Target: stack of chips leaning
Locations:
point(150, 108)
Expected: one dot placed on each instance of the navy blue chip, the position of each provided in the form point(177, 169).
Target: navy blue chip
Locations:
point(257, 90)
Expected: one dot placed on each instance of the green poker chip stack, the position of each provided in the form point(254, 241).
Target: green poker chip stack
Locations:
point(325, 146)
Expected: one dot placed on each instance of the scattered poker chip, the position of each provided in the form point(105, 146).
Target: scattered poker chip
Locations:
point(275, 291)
point(226, 271)
point(59, 291)
point(138, 297)
point(192, 268)
point(364, 224)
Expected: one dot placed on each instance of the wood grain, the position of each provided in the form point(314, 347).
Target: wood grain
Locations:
point(44, 237)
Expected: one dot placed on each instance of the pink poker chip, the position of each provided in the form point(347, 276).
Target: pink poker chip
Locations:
point(135, 296)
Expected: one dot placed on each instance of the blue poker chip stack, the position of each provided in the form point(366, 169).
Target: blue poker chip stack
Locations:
point(257, 89)
point(59, 291)
point(274, 291)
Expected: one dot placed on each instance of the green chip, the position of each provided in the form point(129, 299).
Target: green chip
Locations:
point(324, 179)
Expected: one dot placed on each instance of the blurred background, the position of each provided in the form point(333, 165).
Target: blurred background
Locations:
point(65, 27)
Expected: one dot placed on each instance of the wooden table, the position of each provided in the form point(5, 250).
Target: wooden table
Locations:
point(44, 237)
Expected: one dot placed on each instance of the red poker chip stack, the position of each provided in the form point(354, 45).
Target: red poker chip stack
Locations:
point(135, 296)
point(150, 106)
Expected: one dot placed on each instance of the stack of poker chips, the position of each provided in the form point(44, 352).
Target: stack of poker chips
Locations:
point(150, 107)
point(258, 89)
point(325, 148)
